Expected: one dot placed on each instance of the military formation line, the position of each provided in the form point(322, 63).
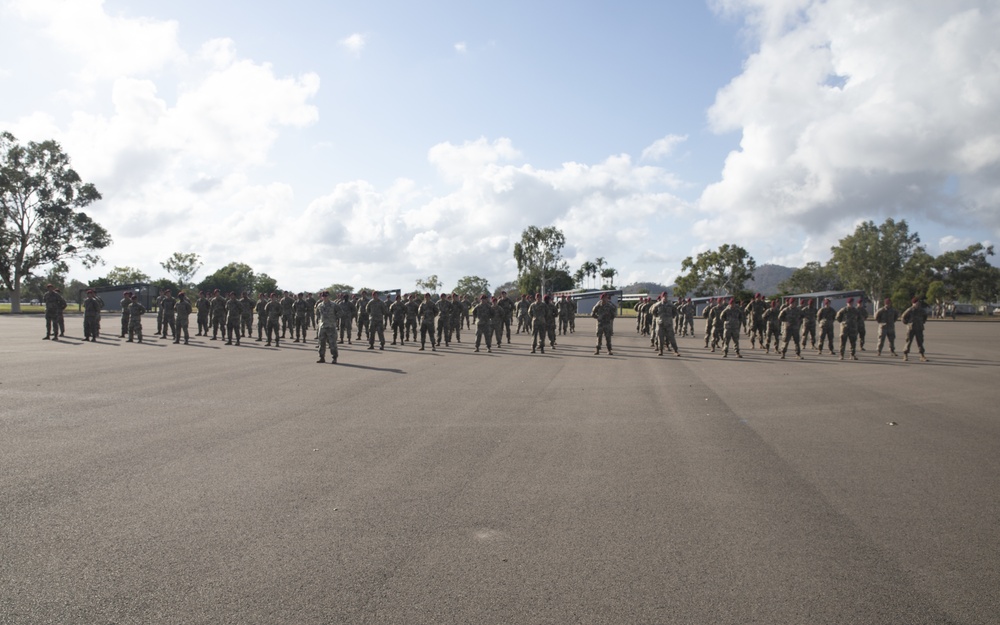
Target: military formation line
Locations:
point(335, 320)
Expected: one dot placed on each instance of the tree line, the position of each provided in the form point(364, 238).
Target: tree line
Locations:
point(44, 225)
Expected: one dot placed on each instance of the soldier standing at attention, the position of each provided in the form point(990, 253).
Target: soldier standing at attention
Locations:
point(665, 312)
point(562, 314)
point(914, 317)
point(246, 318)
point(412, 310)
point(218, 305)
point(466, 311)
point(361, 306)
point(135, 312)
point(573, 309)
point(826, 316)
point(773, 327)
point(377, 312)
point(456, 316)
point(203, 308)
point(91, 317)
point(159, 312)
point(604, 311)
point(550, 323)
point(397, 314)
point(126, 300)
point(273, 313)
point(261, 315)
point(483, 314)
point(755, 319)
point(52, 301)
point(848, 318)
point(522, 314)
point(311, 314)
point(862, 318)
point(507, 309)
point(444, 320)
point(234, 316)
point(426, 313)
point(183, 311)
point(166, 315)
point(809, 313)
point(538, 312)
point(791, 316)
point(689, 318)
point(287, 322)
point(300, 317)
point(732, 320)
point(886, 317)
point(347, 315)
point(327, 313)
point(709, 316)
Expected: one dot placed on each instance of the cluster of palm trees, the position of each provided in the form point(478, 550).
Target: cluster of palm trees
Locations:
point(590, 270)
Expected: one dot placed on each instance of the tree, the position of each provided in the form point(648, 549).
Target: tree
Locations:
point(336, 289)
point(40, 200)
point(967, 273)
point(719, 272)
point(510, 288)
point(183, 267)
point(539, 256)
point(872, 259)
point(235, 277)
point(609, 275)
point(264, 283)
point(124, 275)
point(813, 278)
point(430, 284)
point(473, 286)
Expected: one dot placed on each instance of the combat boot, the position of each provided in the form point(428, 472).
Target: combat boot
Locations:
point(321, 359)
point(923, 358)
point(906, 357)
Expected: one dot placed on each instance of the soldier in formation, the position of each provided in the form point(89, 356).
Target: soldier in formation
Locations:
point(348, 312)
point(165, 315)
point(92, 316)
point(826, 316)
point(183, 311)
point(54, 305)
point(234, 317)
point(135, 313)
point(663, 313)
point(218, 314)
point(604, 312)
point(397, 314)
point(300, 317)
point(483, 313)
point(848, 318)
point(791, 317)
point(914, 317)
point(377, 312)
point(126, 300)
point(273, 312)
point(328, 315)
point(361, 312)
point(886, 317)
point(426, 313)
point(731, 318)
point(204, 308)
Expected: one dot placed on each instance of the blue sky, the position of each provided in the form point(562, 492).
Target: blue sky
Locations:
point(375, 143)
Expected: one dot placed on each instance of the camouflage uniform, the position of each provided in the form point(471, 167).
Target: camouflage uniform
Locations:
point(377, 312)
point(755, 319)
point(218, 307)
point(848, 318)
point(397, 312)
point(347, 314)
point(91, 318)
point(327, 314)
point(444, 320)
point(466, 307)
point(914, 317)
point(573, 309)
point(166, 319)
point(234, 316)
point(862, 318)
point(311, 308)
point(664, 312)
point(731, 318)
point(521, 308)
point(204, 306)
point(826, 317)
point(773, 327)
point(54, 303)
point(562, 313)
point(361, 307)
point(604, 311)
point(709, 316)
point(886, 317)
point(412, 309)
point(135, 312)
point(159, 313)
point(426, 313)
point(538, 311)
point(246, 317)
point(183, 311)
point(483, 313)
point(791, 316)
point(507, 314)
point(259, 308)
point(273, 312)
point(456, 316)
point(809, 314)
point(300, 318)
point(688, 311)
point(550, 323)
point(287, 318)
point(124, 305)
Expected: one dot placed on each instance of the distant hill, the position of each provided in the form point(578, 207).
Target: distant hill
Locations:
point(766, 278)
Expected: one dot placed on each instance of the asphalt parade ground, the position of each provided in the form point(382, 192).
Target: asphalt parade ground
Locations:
point(162, 483)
